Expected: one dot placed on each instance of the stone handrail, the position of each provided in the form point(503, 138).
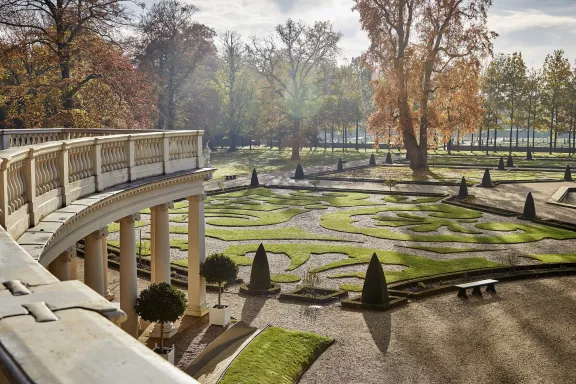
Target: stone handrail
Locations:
point(14, 138)
point(38, 179)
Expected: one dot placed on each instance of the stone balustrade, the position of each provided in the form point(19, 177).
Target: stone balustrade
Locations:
point(38, 179)
point(14, 138)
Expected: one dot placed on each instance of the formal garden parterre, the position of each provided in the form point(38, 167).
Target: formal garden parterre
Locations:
point(334, 234)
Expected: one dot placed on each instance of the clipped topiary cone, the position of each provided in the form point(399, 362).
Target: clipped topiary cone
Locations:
point(372, 160)
point(568, 174)
point(509, 161)
point(388, 158)
point(463, 191)
point(299, 172)
point(340, 165)
point(254, 181)
point(375, 290)
point(486, 179)
point(529, 155)
point(529, 208)
point(260, 274)
point(501, 164)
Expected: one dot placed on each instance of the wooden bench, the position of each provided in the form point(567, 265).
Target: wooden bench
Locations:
point(230, 177)
point(475, 285)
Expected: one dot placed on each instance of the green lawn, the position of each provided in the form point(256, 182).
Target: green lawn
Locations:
point(343, 222)
point(243, 161)
point(276, 356)
point(416, 266)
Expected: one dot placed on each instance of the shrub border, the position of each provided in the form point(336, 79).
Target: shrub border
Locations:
point(356, 303)
point(323, 299)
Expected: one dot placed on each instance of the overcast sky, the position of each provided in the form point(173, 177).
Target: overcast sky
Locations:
point(534, 27)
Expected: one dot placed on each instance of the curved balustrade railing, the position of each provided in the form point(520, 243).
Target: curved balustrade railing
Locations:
point(38, 179)
point(63, 335)
point(14, 138)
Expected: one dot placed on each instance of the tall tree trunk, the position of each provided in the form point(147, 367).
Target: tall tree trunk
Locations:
point(480, 139)
point(296, 139)
point(472, 144)
point(332, 137)
point(487, 140)
point(325, 143)
point(365, 137)
point(516, 137)
point(170, 106)
point(551, 129)
point(357, 128)
point(232, 147)
point(528, 128)
point(511, 119)
point(343, 138)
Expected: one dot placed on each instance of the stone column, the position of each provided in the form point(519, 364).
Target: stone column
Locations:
point(128, 276)
point(60, 266)
point(107, 293)
point(196, 254)
point(93, 273)
point(160, 260)
point(73, 265)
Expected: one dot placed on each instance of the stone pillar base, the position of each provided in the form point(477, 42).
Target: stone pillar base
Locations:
point(197, 311)
point(169, 330)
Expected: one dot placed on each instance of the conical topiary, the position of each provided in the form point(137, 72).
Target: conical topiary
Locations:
point(568, 174)
point(260, 274)
point(340, 165)
point(501, 164)
point(389, 158)
point(463, 191)
point(509, 161)
point(529, 208)
point(299, 172)
point(486, 179)
point(375, 290)
point(372, 160)
point(254, 181)
point(529, 155)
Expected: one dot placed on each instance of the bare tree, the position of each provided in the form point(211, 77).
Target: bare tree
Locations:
point(289, 59)
point(172, 47)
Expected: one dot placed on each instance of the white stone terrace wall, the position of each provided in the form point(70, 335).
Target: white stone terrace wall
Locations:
point(38, 179)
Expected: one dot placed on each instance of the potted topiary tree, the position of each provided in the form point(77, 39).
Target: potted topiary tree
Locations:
point(161, 302)
point(218, 269)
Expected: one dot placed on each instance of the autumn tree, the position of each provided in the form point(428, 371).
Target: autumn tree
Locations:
point(556, 75)
point(31, 85)
point(514, 91)
point(172, 47)
point(289, 59)
point(61, 27)
point(414, 42)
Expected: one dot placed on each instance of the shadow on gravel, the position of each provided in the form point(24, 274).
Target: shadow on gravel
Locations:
point(252, 307)
point(380, 327)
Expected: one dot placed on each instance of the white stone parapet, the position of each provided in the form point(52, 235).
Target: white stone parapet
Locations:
point(39, 179)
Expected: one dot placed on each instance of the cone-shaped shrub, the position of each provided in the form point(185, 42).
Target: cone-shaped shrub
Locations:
point(388, 158)
point(529, 208)
point(509, 161)
point(340, 165)
point(254, 181)
point(486, 179)
point(568, 174)
point(299, 172)
point(260, 274)
point(372, 160)
point(375, 290)
point(463, 192)
point(501, 164)
point(529, 155)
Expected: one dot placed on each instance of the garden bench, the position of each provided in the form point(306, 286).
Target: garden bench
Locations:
point(475, 285)
point(230, 177)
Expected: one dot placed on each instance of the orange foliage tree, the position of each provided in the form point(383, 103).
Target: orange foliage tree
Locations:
point(417, 48)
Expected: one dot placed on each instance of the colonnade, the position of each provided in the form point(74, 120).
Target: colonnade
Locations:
point(96, 261)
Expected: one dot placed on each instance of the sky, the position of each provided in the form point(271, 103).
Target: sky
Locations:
point(534, 27)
